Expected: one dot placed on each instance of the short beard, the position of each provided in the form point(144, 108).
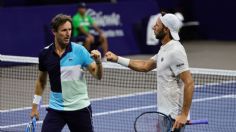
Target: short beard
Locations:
point(61, 43)
point(160, 35)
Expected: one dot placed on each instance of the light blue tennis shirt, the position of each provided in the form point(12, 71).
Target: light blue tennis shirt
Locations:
point(66, 75)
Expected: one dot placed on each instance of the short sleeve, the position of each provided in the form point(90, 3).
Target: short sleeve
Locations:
point(41, 66)
point(179, 62)
point(87, 58)
point(154, 58)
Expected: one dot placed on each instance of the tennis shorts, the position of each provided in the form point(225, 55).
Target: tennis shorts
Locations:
point(77, 121)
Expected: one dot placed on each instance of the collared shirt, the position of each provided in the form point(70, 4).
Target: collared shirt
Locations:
point(68, 85)
point(171, 61)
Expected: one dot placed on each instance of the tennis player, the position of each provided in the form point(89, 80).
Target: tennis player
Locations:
point(64, 62)
point(175, 85)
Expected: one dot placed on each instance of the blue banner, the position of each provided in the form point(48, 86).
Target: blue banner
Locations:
point(25, 31)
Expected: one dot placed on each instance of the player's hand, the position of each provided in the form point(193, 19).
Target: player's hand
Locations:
point(96, 56)
point(180, 121)
point(35, 113)
point(111, 56)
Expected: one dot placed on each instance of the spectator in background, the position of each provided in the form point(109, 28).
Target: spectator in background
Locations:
point(82, 25)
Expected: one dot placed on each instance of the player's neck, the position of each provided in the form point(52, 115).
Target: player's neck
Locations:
point(165, 40)
point(60, 48)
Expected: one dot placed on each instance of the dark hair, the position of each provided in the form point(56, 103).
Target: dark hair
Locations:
point(163, 13)
point(58, 20)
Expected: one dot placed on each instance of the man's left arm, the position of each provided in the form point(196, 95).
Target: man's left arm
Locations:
point(186, 77)
point(181, 119)
point(95, 68)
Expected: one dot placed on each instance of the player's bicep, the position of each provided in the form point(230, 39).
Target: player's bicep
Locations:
point(42, 78)
point(186, 77)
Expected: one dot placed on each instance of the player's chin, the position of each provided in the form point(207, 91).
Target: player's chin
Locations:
point(66, 41)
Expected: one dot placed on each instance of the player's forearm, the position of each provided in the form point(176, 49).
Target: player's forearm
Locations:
point(40, 85)
point(136, 65)
point(99, 70)
point(139, 65)
point(39, 88)
point(188, 94)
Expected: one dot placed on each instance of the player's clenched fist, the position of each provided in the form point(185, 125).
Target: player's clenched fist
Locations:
point(96, 55)
point(111, 56)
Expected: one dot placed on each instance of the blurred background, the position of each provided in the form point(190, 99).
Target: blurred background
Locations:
point(208, 35)
point(25, 26)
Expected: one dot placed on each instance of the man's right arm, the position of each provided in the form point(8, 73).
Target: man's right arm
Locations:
point(136, 65)
point(142, 65)
point(39, 88)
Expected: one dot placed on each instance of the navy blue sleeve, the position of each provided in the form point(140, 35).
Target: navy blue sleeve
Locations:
point(41, 62)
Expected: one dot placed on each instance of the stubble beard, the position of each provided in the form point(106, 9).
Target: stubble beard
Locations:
point(160, 35)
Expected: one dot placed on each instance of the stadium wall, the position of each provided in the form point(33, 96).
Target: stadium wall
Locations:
point(25, 30)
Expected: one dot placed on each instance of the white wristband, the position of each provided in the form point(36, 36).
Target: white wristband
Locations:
point(123, 61)
point(37, 99)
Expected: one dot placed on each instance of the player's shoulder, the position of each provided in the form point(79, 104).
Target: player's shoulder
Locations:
point(177, 46)
point(77, 46)
point(177, 49)
point(44, 52)
point(47, 48)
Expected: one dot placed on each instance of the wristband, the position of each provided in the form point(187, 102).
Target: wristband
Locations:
point(123, 61)
point(37, 99)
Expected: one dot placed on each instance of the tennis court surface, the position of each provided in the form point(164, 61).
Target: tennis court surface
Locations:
point(119, 97)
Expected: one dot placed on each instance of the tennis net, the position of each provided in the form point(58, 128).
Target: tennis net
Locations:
point(118, 98)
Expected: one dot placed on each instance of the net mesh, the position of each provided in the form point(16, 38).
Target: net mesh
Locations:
point(118, 98)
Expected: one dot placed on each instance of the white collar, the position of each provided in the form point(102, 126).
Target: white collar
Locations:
point(167, 45)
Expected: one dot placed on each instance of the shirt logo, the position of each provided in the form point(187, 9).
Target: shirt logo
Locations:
point(179, 65)
point(162, 59)
point(70, 59)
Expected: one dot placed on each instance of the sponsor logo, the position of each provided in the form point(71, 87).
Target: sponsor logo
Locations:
point(162, 59)
point(110, 22)
point(179, 65)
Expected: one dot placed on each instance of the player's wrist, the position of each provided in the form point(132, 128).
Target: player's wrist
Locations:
point(98, 62)
point(123, 61)
point(37, 99)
